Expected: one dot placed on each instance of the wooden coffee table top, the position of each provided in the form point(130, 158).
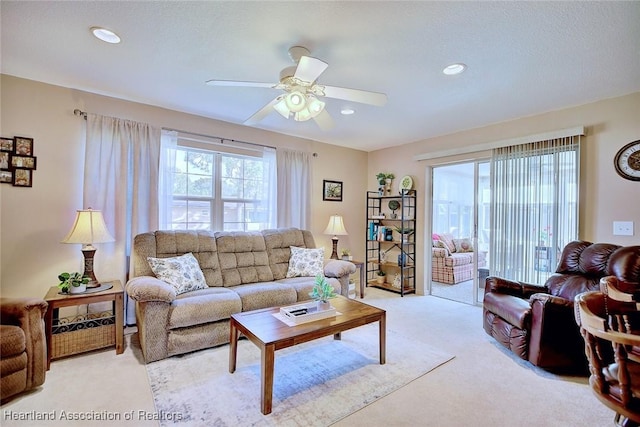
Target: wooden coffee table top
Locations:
point(266, 328)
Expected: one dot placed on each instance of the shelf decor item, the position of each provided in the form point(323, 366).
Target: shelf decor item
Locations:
point(394, 205)
point(384, 180)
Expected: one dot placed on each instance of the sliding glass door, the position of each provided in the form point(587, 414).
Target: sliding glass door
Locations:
point(460, 226)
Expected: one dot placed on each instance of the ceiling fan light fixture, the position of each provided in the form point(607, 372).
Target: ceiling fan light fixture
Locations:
point(296, 101)
point(105, 35)
point(315, 106)
point(453, 69)
point(281, 108)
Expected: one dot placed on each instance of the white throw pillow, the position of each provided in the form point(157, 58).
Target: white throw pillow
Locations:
point(182, 272)
point(306, 262)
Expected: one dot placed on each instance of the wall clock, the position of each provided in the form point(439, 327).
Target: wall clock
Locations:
point(627, 161)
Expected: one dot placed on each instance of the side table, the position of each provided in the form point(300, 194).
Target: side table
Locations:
point(360, 265)
point(79, 334)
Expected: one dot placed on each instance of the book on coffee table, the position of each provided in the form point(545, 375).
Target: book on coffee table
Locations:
point(303, 313)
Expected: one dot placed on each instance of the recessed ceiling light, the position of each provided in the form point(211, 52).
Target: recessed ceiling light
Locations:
point(347, 111)
point(453, 69)
point(105, 35)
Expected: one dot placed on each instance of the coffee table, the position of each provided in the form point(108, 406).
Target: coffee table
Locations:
point(269, 334)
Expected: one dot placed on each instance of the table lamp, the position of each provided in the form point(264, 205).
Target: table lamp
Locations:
point(335, 227)
point(88, 229)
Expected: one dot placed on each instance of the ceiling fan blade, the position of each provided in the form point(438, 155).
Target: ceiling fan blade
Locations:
point(309, 69)
point(262, 113)
point(324, 120)
point(355, 95)
point(234, 83)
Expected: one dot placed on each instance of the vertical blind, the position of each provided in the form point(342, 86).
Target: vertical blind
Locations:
point(534, 207)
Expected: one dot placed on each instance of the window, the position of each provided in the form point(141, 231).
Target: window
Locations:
point(534, 207)
point(219, 191)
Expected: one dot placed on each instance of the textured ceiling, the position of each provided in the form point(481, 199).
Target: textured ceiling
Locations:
point(523, 58)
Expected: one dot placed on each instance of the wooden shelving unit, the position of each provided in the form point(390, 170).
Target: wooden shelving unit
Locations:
point(392, 252)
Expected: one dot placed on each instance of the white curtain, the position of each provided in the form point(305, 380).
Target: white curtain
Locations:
point(168, 144)
point(294, 188)
point(534, 207)
point(270, 192)
point(121, 179)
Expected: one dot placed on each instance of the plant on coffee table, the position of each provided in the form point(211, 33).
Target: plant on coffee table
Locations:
point(322, 290)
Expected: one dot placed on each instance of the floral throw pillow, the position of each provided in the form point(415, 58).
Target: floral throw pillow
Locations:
point(306, 262)
point(463, 245)
point(182, 272)
point(441, 244)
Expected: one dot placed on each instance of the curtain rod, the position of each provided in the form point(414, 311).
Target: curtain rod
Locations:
point(222, 140)
point(83, 114)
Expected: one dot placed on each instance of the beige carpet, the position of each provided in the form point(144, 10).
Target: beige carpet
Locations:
point(316, 383)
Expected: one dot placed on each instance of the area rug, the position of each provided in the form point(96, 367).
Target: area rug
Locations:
point(315, 383)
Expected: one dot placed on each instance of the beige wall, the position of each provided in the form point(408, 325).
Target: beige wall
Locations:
point(605, 196)
point(34, 220)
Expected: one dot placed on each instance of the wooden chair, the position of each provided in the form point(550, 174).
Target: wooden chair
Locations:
point(610, 325)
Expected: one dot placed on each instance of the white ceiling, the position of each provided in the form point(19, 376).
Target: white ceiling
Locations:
point(523, 58)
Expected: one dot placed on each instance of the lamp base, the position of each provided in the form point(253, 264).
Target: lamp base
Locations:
point(334, 254)
point(88, 268)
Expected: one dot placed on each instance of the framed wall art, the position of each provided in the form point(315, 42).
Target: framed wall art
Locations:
point(332, 190)
point(22, 178)
point(6, 177)
point(23, 162)
point(6, 144)
point(23, 146)
point(5, 160)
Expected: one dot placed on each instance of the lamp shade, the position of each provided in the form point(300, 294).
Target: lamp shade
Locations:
point(336, 226)
point(88, 228)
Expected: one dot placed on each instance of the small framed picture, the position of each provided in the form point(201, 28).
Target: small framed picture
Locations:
point(23, 162)
point(5, 160)
point(23, 146)
point(332, 190)
point(22, 178)
point(6, 177)
point(6, 144)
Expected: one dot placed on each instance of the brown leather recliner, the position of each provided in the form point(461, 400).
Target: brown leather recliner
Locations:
point(536, 322)
point(23, 346)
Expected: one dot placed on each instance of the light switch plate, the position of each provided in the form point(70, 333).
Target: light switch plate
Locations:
point(623, 228)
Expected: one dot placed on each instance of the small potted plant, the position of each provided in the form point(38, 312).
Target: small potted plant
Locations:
point(73, 283)
point(321, 292)
point(381, 276)
point(394, 205)
point(346, 254)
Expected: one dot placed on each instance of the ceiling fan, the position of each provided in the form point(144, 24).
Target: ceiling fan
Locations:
point(301, 98)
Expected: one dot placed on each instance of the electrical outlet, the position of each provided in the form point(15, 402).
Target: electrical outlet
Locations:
point(623, 228)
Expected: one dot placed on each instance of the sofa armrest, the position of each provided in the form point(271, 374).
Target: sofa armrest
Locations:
point(439, 252)
point(28, 314)
point(338, 268)
point(147, 288)
point(555, 339)
point(512, 287)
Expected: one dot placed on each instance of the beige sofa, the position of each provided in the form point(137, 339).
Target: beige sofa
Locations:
point(243, 270)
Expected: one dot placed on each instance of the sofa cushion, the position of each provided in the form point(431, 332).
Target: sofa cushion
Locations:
point(164, 244)
point(243, 258)
point(203, 306)
point(279, 242)
point(447, 238)
point(13, 341)
point(442, 245)
point(182, 272)
point(306, 262)
point(255, 296)
point(304, 285)
point(463, 245)
point(459, 259)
